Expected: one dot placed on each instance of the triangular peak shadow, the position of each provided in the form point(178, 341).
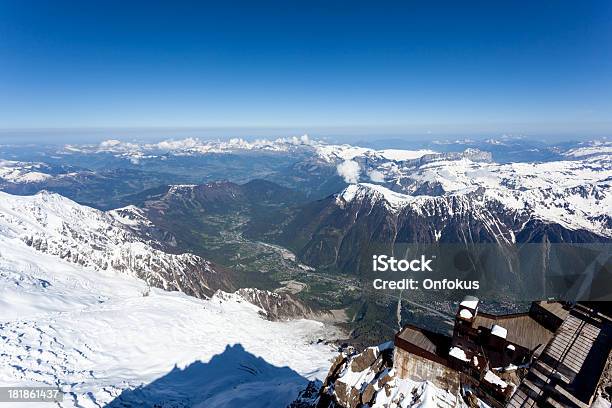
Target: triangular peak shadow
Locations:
point(234, 378)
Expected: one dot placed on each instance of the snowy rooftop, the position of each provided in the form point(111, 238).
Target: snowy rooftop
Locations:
point(499, 331)
point(465, 314)
point(470, 302)
point(492, 378)
point(458, 353)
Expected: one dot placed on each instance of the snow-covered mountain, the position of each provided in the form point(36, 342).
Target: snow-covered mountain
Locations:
point(575, 194)
point(333, 153)
point(75, 314)
point(122, 240)
point(31, 175)
point(455, 198)
point(589, 149)
point(443, 195)
point(426, 195)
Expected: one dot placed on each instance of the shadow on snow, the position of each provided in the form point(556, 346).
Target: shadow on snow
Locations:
point(234, 378)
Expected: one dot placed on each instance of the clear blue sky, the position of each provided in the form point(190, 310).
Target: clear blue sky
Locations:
point(535, 67)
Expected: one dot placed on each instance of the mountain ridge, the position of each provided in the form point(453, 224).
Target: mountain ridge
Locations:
point(106, 241)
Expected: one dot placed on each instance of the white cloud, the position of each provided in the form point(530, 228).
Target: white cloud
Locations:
point(194, 146)
point(109, 143)
point(188, 143)
point(349, 170)
point(376, 176)
point(117, 146)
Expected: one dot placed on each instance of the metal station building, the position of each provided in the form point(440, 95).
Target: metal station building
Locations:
point(551, 356)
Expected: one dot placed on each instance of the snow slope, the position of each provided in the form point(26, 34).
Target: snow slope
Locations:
point(334, 153)
point(592, 148)
point(97, 332)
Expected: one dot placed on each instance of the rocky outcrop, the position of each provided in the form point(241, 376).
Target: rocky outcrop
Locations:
point(308, 397)
point(280, 306)
point(355, 378)
point(367, 379)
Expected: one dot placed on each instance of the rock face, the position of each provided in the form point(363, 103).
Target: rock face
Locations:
point(123, 241)
point(353, 377)
point(277, 306)
point(308, 397)
point(604, 389)
point(336, 231)
point(367, 379)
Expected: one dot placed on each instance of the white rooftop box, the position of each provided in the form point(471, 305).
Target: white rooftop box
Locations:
point(499, 331)
point(470, 302)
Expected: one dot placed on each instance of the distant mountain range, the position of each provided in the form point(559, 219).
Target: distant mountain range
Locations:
point(330, 202)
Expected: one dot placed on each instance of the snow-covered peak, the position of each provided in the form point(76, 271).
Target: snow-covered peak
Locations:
point(131, 216)
point(373, 193)
point(46, 212)
point(334, 153)
point(575, 194)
